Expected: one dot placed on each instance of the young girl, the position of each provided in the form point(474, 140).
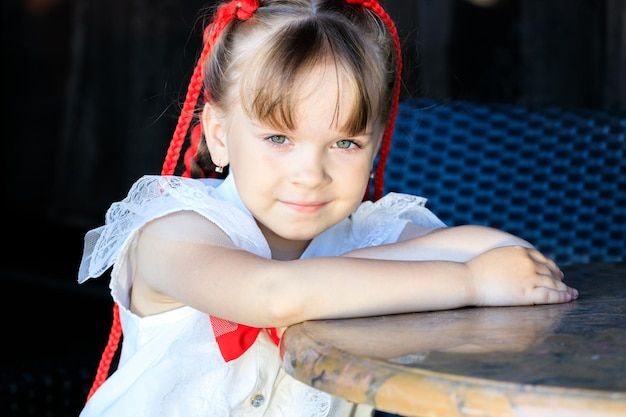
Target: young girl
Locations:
point(297, 97)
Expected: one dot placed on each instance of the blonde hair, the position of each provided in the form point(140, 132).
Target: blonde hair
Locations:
point(264, 60)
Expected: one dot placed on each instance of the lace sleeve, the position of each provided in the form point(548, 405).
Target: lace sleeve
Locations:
point(155, 196)
point(381, 222)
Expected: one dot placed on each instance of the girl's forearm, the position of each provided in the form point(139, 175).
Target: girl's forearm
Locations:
point(280, 293)
point(363, 287)
point(459, 243)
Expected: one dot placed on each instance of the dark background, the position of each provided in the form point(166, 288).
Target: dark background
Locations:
point(92, 89)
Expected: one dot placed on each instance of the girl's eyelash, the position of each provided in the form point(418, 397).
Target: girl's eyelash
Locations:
point(285, 139)
point(352, 142)
point(271, 138)
point(276, 140)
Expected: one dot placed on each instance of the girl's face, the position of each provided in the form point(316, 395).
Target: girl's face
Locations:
point(296, 183)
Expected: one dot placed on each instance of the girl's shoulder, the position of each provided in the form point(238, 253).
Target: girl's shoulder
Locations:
point(155, 197)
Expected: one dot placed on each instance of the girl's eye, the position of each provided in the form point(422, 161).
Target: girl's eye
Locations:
point(278, 139)
point(345, 144)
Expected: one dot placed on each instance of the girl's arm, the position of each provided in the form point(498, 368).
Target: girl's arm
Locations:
point(460, 243)
point(239, 286)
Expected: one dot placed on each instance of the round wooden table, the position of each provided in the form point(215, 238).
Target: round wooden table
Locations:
point(560, 360)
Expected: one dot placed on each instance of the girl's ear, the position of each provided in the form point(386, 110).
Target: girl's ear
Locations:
point(214, 129)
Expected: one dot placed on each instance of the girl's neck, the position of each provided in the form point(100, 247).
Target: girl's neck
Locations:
point(284, 249)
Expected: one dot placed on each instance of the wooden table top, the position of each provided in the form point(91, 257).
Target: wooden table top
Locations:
point(548, 360)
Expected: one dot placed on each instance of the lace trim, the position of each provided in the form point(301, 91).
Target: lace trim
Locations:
point(373, 222)
point(155, 196)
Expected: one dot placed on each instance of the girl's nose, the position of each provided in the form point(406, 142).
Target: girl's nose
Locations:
point(308, 169)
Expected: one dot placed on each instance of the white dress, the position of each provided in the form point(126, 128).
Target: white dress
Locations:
point(170, 363)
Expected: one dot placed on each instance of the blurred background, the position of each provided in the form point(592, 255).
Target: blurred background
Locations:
point(91, 93)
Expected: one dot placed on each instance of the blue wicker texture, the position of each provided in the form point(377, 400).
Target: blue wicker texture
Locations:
point(554, 176)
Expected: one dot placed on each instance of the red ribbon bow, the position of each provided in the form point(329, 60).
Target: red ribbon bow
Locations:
point(234, 342)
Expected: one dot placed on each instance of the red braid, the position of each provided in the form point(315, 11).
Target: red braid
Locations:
point(379, 180)
point(109, 352)
point(241, 9)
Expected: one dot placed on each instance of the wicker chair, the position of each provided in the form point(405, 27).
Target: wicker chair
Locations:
point(551, 175)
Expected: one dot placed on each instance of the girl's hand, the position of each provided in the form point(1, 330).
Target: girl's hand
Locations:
point(515, 275)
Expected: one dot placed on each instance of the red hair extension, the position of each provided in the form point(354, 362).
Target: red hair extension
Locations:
point(109, 352)
point(190, 153)
point(379, 180)
point(242, 9)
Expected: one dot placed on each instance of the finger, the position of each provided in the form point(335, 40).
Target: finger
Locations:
point(554, 268)
point(543, 295)
point(549, 270)
point(543, 260)
point(550, 282)
point(555, 285)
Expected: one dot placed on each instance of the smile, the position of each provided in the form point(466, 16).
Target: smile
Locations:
point(301, 207)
